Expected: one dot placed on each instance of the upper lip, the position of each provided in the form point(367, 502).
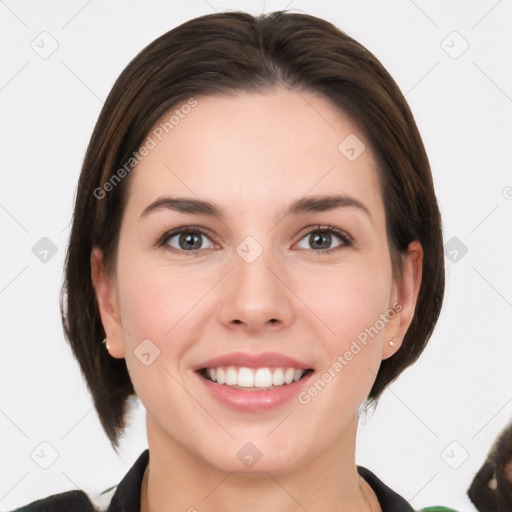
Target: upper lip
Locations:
point(253, 360)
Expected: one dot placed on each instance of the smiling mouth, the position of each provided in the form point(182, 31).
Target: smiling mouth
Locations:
point(253, 379)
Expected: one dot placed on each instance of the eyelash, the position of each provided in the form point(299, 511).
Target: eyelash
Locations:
point(344, 237)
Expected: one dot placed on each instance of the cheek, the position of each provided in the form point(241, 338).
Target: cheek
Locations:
point(348, 300)
point(158, 303)
point(158, 309)
point(349, 331)
point(350, 303)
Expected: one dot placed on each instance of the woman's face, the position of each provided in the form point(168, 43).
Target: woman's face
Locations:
point(313, 283)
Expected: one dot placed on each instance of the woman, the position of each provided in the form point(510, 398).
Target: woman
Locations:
point(257, 242)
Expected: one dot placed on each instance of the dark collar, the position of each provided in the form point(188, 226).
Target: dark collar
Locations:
point(389, 500)
point(127, 495)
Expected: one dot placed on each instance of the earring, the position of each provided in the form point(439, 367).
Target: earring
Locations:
point(105, 343)
point(391, 343)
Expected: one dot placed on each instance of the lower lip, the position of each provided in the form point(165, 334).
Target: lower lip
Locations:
point(254, 401)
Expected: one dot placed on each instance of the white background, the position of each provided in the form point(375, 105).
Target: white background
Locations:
point(460, 390)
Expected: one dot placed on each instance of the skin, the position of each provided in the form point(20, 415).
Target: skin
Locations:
point(253, 154)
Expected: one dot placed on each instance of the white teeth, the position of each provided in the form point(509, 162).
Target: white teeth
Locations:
point(278, 377)
point(263, 378)
point(288, 376)
point(245, 378)
point(231, 376)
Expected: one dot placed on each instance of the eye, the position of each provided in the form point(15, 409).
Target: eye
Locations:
point(321, 238)
point(186, 239)
point(192, 239)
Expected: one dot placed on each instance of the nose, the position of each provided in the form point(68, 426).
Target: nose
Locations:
point(255, 296)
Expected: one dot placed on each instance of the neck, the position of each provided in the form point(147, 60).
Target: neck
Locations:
point(176, 479)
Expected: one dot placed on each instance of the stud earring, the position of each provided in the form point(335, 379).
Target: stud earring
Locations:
point(105, 343)
point(391, 343)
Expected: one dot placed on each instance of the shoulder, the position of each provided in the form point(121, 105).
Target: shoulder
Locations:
point(69, 501)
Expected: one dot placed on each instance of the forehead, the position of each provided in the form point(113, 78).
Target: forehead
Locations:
point(255, 147)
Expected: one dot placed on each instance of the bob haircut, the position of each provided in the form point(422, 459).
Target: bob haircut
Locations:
point(224, 54)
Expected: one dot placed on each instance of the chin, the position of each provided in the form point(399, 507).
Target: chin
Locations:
point(261, 467)
point(257, 457)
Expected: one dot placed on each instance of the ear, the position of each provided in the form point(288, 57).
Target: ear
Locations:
point(406, 291)
point(107, 297)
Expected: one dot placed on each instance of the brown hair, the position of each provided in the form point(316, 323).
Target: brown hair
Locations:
point(226, 53)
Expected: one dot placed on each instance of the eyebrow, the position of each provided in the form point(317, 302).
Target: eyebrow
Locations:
point(302, 206)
